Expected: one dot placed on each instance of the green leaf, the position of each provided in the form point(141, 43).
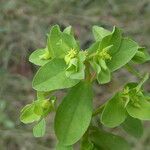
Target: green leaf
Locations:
point(35, 57)
point(93, 48)
point(144, 79)
point(139, 109)
point(76, 67)
point(39, 129)
point(108, 141)
point(68, 30)
point(99, 33)
point(41, 95)
point(114, 112)
point(96, 67)
point(126, 52)
point(133, 126)
point(28, 115)
point(38, 110)
point(60, 43)
point(113, 39)
point(53, 38)
point(62, 147)
point(141, 56)
point(147, 96)
point(104, 76)
point(86, 144)
point(74, 114)
point(52, 76)
point(43, 107)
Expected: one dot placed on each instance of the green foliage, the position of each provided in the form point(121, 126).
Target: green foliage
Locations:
point(36, 58)
point(64, 65)
point(76, 67)
point(141, 56)
point(55, 70)
point(62, 147)
point(126, 52)
point(140, 109)
point(110, 52)
point(107, 141)
point(28, 115)
point(39, 129)
point(59, 43)
point(133, 126)
point(114, 113)
point(99, 33)
point(74, 114)
point(36, 110)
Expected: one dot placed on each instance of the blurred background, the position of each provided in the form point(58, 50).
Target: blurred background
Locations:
point(23, 28)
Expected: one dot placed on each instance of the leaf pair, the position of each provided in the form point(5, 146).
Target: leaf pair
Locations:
point(57, 70)
point(112, 50)
point(36, 110)
point(58, 44)
point(129, 102)
point(66, 69)
point(141, 55)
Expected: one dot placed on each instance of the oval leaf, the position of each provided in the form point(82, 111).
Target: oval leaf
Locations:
point(126, 52)
point(141, 56)
point(86, 144)
point(104, 76)
point(113, 39)
point(108, 141)
point(59, 43)
point(62, 147)
point(114, 112)
point(28, 115)
point(69, 30)
point(74, 114)
point(133, 126)
point(39, 129)
point(52, 76)
point(141, 111)
point(35, 57)
point(99, 33)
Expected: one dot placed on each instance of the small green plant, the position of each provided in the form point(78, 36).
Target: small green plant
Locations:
point(64, 65)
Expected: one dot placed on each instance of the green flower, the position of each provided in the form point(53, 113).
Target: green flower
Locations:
point(131, 101)
point(99, 64)
point(75, 64)
point(110, 52)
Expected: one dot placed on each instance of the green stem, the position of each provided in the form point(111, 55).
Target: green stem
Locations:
point(87, 72)
point(98, 110)
point(133, 71)
point(144, 79)
point(93, 77)
point(91, 56)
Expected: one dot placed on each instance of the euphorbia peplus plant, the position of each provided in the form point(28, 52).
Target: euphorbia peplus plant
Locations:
point(63, 64)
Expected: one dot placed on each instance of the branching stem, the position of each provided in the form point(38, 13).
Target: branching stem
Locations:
point(133, 71)
point(98, 110)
